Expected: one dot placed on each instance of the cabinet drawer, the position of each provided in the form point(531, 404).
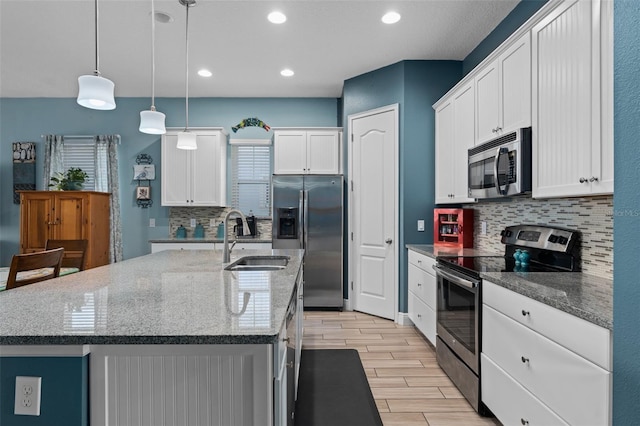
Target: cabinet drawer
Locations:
point(423, 262)
point(510, 402)
point(576, 389)
point(423, 285)
point(423, 317)
point(586, 339)
point(156, 247)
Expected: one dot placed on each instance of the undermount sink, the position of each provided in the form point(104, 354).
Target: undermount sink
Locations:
point(259, 263)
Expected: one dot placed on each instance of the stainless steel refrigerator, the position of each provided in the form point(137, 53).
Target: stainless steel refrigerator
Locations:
point(308, 214)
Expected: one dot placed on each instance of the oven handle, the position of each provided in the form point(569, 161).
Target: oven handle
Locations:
point(496, 164)
point(456, 279)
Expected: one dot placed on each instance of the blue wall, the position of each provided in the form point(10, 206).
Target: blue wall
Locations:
point(626, 202)
point(27, 119)
point(415, 85)
point(65, 390)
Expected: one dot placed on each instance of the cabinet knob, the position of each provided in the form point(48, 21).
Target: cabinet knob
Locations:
point(419, 316)
point(593, 179)
point(524, 360)
point(525, 313)
point(583, 180)
point(524, 422)
point(286, 340)
point(388, 241)
point(419, 284)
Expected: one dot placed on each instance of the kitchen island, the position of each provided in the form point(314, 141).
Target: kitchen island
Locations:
point(172, 338)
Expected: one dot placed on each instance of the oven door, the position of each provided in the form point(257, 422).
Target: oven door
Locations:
point(458, 316)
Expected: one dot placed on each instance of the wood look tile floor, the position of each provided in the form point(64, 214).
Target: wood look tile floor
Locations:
point(409, 387)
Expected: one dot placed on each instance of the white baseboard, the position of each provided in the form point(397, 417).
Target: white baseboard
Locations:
point(403, 319)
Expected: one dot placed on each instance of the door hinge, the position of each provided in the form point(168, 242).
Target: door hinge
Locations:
point(351, 137)
point(352, 236)
point(351, 285)
point(351, 186)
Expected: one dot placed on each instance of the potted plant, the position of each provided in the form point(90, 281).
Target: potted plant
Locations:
point(72, 180)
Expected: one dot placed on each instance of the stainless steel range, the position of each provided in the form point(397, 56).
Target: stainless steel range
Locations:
point(528, 248)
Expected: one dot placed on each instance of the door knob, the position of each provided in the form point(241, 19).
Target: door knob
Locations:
point(388, 241)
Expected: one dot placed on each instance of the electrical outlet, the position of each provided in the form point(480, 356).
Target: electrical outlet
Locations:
point(483, 226)
point(28, 390)
point(420, 225)
point(193, 223)
point(152, 223)
point(212, 223)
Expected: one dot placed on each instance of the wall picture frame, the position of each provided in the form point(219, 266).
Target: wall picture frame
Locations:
point(143, 193)
point(144, 172)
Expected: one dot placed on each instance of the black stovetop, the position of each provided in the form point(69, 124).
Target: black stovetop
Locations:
point(475, 265)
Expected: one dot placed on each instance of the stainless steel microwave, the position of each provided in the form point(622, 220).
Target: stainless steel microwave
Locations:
point(501, 167)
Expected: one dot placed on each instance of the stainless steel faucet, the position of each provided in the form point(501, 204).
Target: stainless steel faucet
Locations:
point(226, 254)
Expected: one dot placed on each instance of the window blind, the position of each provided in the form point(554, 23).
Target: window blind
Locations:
point(81, 153)
point(251, 179)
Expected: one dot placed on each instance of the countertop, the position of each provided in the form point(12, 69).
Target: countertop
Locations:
point(170, 297)
point(209, 240)
point(585, 296)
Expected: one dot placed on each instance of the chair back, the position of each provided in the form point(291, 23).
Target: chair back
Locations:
point(74, 252)
point(47, 263)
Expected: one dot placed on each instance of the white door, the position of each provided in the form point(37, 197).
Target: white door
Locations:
point(374, 211)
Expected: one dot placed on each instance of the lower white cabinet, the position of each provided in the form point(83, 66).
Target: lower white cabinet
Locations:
point(522, 359)
point(156, 247)
point(422, 294)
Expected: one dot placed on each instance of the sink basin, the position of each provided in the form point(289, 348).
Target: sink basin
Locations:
point(259, 263)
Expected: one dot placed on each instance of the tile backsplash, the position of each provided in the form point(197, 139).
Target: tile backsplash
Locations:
point(182, 216)
point(592, 216)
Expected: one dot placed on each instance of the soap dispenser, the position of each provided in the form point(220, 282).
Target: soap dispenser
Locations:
point(181, 232)
point(198, 232)
point(220, 232)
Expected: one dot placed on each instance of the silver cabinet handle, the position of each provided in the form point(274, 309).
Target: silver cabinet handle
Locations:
point(525, 313)
point(524, 360)
point(583, 180)
point(593, 179)
point(388, 241)
point(524, 422)
point(419, 284)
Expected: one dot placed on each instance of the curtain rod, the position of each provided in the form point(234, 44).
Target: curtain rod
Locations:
point(84, 137)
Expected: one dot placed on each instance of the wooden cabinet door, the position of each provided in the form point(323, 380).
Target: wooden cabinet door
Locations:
point(487, 103)
point(515, 85)
point(69, 210)
point(175, 172)
point(290, 152)
point(323, 152)
point(36, 221)
point(444, 153)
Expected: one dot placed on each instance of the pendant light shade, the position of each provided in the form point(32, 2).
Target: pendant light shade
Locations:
point(95, 91)
point(186, 139)
point(152, 121)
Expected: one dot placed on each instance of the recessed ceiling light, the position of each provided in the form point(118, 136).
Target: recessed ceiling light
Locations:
point(391, 17)
point(204, 73)
point(286, 72)
point(277, 17)
point(163, 17)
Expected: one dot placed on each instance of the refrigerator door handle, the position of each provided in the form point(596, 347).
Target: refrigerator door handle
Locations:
point(305, 220)
point(301, 219)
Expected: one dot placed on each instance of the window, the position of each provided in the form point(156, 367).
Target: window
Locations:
point(251, 176)
point(81, 153)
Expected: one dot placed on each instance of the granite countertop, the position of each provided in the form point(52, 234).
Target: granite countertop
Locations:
point(170, 297)
point(209, 240)
point(585, 296)
point(434, 251)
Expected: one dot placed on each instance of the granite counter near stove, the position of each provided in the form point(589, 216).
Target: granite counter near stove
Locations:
point(434, 251)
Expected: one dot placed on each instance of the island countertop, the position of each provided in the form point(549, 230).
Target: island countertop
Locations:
point(170, 297)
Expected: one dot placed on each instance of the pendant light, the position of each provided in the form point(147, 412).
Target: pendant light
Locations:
point(95, 91)
point(186, 139)
point(152, 121)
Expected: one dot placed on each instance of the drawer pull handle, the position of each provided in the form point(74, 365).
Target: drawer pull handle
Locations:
point(419, 284)
point(524, 360)
point(524, 422)
point(286, 339)
point(525, 313)
point(419, 316)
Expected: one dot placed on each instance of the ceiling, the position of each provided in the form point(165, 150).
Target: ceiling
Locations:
point(46, 44)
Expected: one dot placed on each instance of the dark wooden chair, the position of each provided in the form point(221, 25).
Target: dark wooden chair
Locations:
point(74, 252)
point(47, 263)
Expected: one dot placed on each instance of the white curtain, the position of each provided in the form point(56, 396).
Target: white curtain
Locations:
point(107, 181)
point(53, 158)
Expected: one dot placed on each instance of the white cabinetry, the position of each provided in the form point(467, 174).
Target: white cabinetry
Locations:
point(195, 177)
point(503, 92)
point(307, 151)
point(422, 294)
point(555, 365)
point(572, 100)
point(454, 136)
point(156, 247)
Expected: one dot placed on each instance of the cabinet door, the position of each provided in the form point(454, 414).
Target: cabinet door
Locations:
point(290, 152)
point(562, 101)
point(515, 85)
point(36, 221)
point(323, 152)
point(444, 153)
point(176, 190)
point(206, 176)
point(463, 140)
point(69, 211)
point(487, 103)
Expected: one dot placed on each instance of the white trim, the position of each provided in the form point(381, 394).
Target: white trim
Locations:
point(402, 318)
point(44, 350)
point(249, 141)
point(306, 128)
point(217, 129)
point(351, 264)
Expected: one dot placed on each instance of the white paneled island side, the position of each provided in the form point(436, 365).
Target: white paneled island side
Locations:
point(172, 337)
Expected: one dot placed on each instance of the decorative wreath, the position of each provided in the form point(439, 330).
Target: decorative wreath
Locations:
point(251, 122)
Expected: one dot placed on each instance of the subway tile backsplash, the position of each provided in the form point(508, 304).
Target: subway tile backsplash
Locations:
point(592, 216)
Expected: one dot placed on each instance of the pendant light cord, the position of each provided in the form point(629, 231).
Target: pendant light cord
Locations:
point(186, 63)
point(153, 57)
point(97, 72)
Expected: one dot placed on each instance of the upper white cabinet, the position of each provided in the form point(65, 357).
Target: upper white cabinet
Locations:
point(197, 177)
point(503, 92)
point(573, 100)
point(454, 136)
point(307, 151)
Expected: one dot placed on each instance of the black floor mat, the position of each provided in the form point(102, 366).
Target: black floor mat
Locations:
point(333, 390)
